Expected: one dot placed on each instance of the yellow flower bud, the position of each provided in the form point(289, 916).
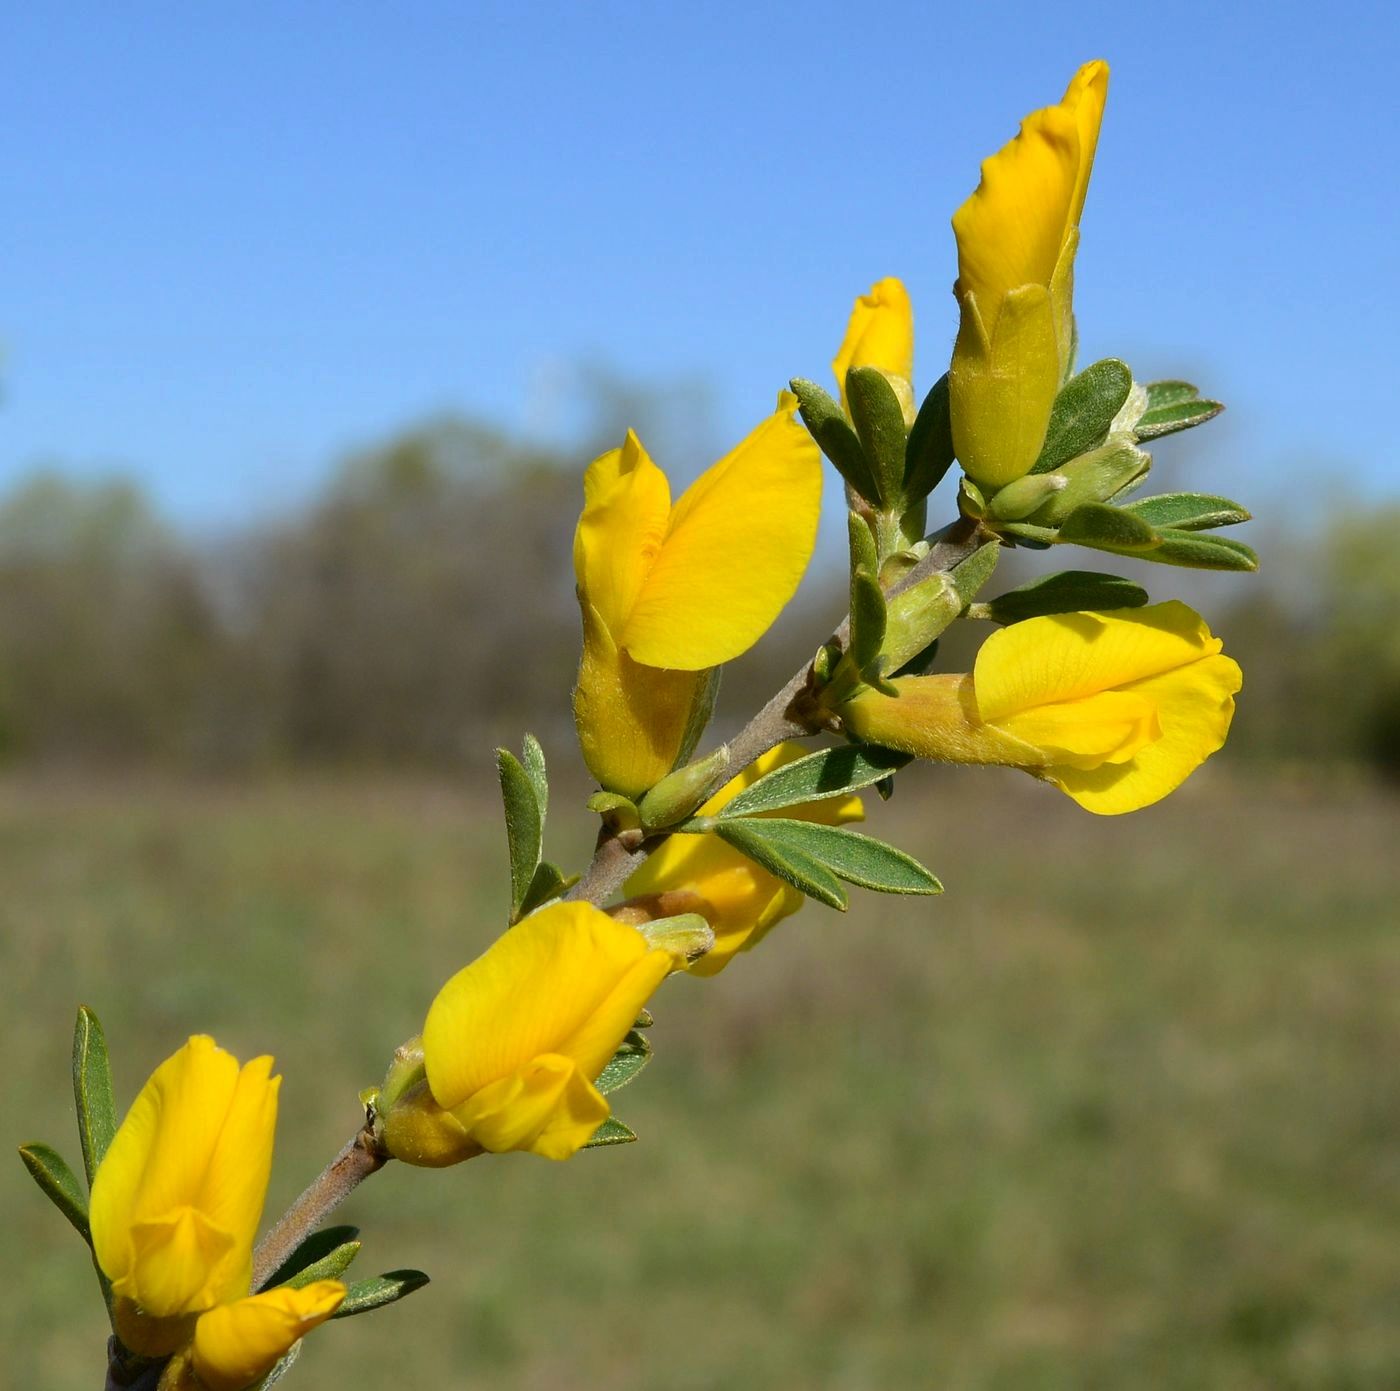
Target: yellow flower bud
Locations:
point(177, 1199)
point(739, 899)
point(514, 1042)
point(670, 592)
point(239, 1343)
point(1017, 235)
point(880, 334)
point(1115, 709)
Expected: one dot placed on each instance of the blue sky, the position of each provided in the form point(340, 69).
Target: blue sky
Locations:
point(242, 238)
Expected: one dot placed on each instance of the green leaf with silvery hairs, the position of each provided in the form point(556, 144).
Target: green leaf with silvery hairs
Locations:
point(633, 1054)
point(92, 1090)
point(1083, 411)
point(879, 421)
point(532, 758)
point(928, 453)
point(828, 773)
point(375, 1293)
point(60, 1184)
point(858, 859)
point(1188, 511)
point(1172, 406)
point(1070, 591)
point(1196, 552)
point(1097, 525)
point(524, 827)
point(828, 425)
point(611, 1132)
point(778, 856)
point(1093, 477)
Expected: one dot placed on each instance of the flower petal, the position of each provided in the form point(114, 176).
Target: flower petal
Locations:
point(1072, 655)
point(239, 1343)
point(531, 993)
point(880, 334)
point(1109, 727)
point(736, 548)
point(627, 506)
point(547, 1107)
point(1195, 704)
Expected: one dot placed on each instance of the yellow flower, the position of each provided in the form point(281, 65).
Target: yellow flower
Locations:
point(1116, 709)
point(1017, 236)
point(239, 1343)
point(881, 334)
point(514, 1042)
point(670, 592)
point(177, 1199)
point(740, 900)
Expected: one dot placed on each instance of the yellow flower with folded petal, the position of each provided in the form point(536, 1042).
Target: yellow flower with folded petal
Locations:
point(1116, 709)
point(739, 899)
point(177, 1198)
point(514, 1042)
point(880, 334)
point(670, 592)
point(237, 1344)
point(1017, 236)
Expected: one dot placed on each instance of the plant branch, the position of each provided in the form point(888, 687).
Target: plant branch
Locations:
point(360, 1157)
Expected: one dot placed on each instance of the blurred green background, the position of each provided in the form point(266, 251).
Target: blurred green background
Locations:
point(1120, 1110)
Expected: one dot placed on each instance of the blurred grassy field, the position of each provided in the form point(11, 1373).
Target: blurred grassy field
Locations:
point(1121, 1110)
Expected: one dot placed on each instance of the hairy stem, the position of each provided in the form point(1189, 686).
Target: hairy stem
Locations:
point(360, 1157)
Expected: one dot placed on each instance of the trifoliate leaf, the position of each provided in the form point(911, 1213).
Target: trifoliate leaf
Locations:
point(858, 859)
point(533, 762)
point(524, 826)
point(1182, 413)
point(329, 1250)
point(1196, 552)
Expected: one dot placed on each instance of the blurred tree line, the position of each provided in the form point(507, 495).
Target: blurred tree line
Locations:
point(421, 611)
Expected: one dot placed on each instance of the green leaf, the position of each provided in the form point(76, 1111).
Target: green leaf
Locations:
point(92, 1090)
point(320, 1256)
point(828, 425)
point(879, 421)
point(858, 859)
point(970, 575)
point(605, 803)
point(1169, 393)
point(1093, 477)
point(1196, 552)
point(1025, 534)
point(1180, 415)
point(633, 1054)
point(867, 619)
point(929, 451)
point(1083, 411)
point(829, 773)
point(1107, 528)
point(549, 882)
point(375, 1293)
point(533, 762)
point(1188, 511)
point(611, 1132)
point(777, 855)
point(524, 826)
point(865, 554)
point(1067, 592)
point(60, 1184)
